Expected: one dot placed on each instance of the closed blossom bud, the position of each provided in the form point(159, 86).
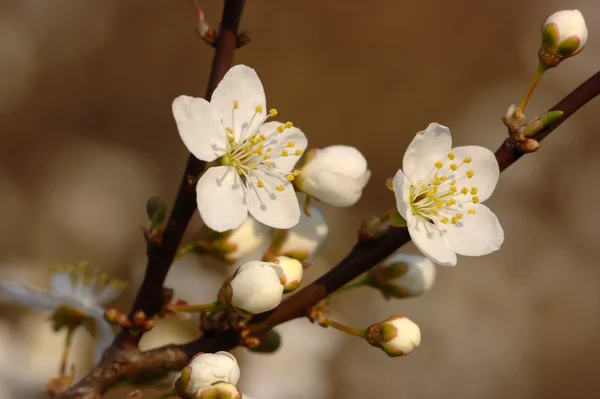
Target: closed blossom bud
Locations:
point(292, 272)
point(403, 276)
point(303, 240)
point(335, 175)
point(219, 390)
point(206, 369)
point(564, 34)
point(396, 336)
point(256, 288)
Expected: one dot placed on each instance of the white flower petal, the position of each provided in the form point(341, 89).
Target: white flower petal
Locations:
point(280, 142)
point(110, 292)
point(278, 209)
point(200, 128)
point(485, 168)
point(475, 235)
point(104, 331)
point(61, 284)
point(428, 146)
point(241, 84)
point(402, 193)
point(30, 295)
point(221, 199)
point(430, 241)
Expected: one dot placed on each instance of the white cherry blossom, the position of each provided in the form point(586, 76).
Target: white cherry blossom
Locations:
point(255, 158)
point(439, 192)
point(80, 288)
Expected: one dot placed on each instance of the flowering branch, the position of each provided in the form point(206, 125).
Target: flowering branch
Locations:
point(120, 365)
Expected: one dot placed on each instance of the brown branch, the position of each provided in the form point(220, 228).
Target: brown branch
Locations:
point(121, 359)
point(363, 257)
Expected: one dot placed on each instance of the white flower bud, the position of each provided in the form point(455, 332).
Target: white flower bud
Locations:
point(403, 275)
point(303, 240)
point(396, 336)
point(292, 272)
point(335, 175)
point(219, 390)
point(256, 287)
point(564, 34)
point(206, 369)
point(245, 239)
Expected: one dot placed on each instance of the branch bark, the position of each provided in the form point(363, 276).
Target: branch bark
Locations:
point(365, 255)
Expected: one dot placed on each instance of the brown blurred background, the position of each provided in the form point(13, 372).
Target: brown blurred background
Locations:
point(87, 134)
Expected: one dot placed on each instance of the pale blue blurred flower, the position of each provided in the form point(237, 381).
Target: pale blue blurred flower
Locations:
point(78, 288)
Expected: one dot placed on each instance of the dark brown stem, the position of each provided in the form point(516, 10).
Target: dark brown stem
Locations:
point(118, 361)
point(161, 256)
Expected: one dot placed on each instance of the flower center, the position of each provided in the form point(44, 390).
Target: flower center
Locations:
point(254, 151)
point(443, 197)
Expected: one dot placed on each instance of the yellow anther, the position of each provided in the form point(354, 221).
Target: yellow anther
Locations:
point(471, 212)
point(298, 152)
point(290, 177)
point(269, 149)
point(453, 189)
point(444, 220)
point(473, 190)
point(296, 172)
point(443, 178)
point(260, 184)
point(288, 124)
point(235, 104)
point(454, 219)
point(280, 128)
point(453, 166)
point(453, 182)
point(231, 139)
point(259, 109)
point(246, 148)
point(290, 144)
point(468, 160)
point(268, 164)
point(434, 211)
point(439, 204)
point(262, 137)
point(436, 181)
point(470, 173)
point(284, 153)
point(464, 190)
point(451, 156)
point(475, 199)
point(459, 216)
point(280, 187)
point(272, 112)
point(430, 194)
point(267, 156)
point(253, 166)
point(438, 164)
point(423, 187)
point(229, 130)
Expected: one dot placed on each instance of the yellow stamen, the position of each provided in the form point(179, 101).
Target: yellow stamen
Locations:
point(284, 153)
point(280, 128)
point(288, 124)
point(468, 160)
point(298, 152)
point(453, 166)
point(290, 177)
point(444, 220)
point(473, 190)
point(451, 156)
point(475, 199)
point(280, 187)
point(438, 164)
point(464, 190)
point(272, 112)
point(290, 144)
point(470, 173)
point(471, 212)
point(235, 104)
point(259, 109)
point(260, 184)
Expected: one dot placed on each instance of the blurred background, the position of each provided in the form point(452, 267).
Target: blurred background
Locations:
point(87, 134)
